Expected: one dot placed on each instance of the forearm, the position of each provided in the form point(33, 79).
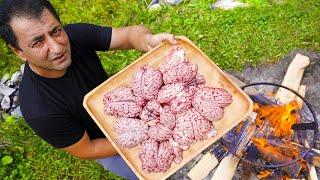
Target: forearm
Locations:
point(131, 37)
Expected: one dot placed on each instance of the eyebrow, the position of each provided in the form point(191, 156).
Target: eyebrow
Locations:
point(54, 28)
point(37, 38)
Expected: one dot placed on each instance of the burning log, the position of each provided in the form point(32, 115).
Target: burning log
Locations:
point(273, 155)
point(272, 174)
point(280, 117)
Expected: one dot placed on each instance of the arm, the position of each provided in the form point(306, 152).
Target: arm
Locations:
point(137, 37)
point(91, 149)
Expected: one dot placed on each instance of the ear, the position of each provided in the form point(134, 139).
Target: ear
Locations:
point(18, 52)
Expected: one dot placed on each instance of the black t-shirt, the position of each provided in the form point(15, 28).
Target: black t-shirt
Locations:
point(52, 107)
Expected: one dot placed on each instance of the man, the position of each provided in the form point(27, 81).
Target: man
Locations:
point(61, 67)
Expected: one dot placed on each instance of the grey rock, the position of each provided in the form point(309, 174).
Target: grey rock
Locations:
point(15, 101)
point(4, 78)
point(5, 103)
point(6, 91)
point(228, 4)
point(1, 97)
point(16, 112)
point(10, 84)
point(16, 78)
point(173, 2)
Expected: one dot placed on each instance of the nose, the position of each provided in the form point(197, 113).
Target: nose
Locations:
point(54, 46)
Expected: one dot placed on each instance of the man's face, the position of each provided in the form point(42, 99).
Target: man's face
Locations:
point(44, 44)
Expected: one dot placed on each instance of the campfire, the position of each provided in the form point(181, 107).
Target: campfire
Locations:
point(273, 140)
point(266, 142)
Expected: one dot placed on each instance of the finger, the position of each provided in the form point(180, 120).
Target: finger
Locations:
point(169, 37)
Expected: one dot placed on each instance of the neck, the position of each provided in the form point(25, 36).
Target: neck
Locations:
point(48, 73)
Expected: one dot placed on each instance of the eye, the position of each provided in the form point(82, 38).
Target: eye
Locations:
point(56, 31)
point(37, 43)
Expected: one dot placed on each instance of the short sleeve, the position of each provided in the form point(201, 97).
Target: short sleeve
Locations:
point(57, 130)
point(93, 37)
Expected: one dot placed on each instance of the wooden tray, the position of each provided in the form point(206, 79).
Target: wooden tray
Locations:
point(215, 77)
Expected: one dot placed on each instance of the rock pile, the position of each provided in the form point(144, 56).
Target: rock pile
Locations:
point(9, 93)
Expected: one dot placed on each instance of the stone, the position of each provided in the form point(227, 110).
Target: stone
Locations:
point(1, 97)
point(16, 78)
point(4, 78)
point(173, 2)
point(5, 103)
point(15, 101)
point(228, 4)
point(16, 112)
point(10, 84)
point(6, 91)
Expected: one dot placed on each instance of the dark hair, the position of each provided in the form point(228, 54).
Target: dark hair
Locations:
point(20, 8)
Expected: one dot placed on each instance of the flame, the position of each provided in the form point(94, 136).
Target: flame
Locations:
point(264, 174)
point(284, 148)
point(268, 151)
point(280, 117)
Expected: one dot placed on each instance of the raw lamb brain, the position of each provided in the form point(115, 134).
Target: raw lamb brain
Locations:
point(121, 102)
point(174, 57)
point(176, 68)
point(147, 82)
point(151, 111)
point(123, 109)
point(158, 156)
point(167, 117)
point(148, 155)
point(183, 100)
point(201, 126)
point(222, 97)
point(130, 131)
point(178, 152)
point(184, 73)
point(177, 96)
point(165, 156)
point(197, 80)
point(118, 95)
point(183, 132)
point(191, 126)
point(159, 132)
point(209, 104)
point(169, 92)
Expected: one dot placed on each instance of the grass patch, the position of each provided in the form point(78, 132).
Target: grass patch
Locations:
point(263, 32)
point(35, 159)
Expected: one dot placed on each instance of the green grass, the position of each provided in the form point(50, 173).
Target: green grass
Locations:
point(35, 159)
point(261, 33)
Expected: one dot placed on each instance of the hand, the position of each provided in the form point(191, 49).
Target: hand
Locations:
point(156, 39)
